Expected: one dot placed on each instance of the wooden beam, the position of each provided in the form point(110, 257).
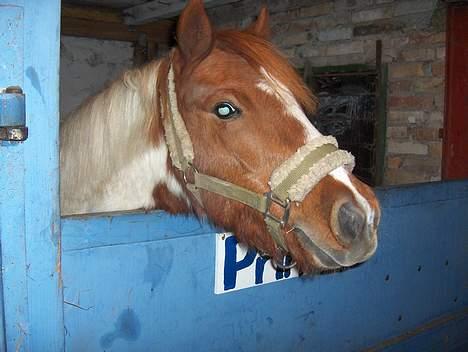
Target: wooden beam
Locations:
point(92, 13)
point(140, 51)
point(161, 9)
point(107, 24)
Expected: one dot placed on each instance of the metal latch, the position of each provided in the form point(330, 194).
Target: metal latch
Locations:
point(12, 115)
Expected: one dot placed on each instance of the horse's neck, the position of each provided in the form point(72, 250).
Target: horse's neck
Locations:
point(108, 159)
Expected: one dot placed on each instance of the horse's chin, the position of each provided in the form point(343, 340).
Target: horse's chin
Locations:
point(328, 259)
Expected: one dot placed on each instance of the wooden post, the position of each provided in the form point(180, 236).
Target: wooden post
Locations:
point(140, 50)
point(152, 50)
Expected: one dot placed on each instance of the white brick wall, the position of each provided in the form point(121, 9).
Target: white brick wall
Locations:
point(86, 65)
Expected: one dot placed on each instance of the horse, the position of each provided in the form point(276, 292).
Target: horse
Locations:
point(218, 128)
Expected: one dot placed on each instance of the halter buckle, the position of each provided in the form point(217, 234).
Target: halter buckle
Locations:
point(286, 205)
point(192, 171)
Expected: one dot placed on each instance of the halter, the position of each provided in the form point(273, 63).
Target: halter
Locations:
point(290, 182)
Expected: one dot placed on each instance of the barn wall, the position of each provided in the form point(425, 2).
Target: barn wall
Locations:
point(86, 65)
point(342, 32)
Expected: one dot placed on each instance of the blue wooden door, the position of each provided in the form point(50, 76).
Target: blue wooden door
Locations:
point(145, 282)
point(32, 303)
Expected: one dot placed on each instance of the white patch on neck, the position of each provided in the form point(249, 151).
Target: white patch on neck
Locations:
point(274, 87)
point(132, 187)
point(340, 174)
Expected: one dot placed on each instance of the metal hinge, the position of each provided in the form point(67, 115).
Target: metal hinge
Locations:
point(12, 115)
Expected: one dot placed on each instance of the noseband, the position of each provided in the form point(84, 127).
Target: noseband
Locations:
point(290, 182)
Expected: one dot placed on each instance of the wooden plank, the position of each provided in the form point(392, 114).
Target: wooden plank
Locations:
point(30, 222)
point(381, 123)
point(157, 10)
point(12, 194)
point(78, 27)
point(455, 144)
point(422, 193)
point(81, 24)
point(92, 13)
point(140, 53)
point(162, 285)
point(434, 335)
point(101, 230)
point(42, 213)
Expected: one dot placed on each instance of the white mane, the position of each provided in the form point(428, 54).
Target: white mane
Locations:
point(107, 159)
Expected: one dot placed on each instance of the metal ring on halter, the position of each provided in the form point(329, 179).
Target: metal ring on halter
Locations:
point(285, 263)
point(190, 167)
point(283, 266)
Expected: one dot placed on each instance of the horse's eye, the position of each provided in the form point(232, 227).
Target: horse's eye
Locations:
point(226, 110)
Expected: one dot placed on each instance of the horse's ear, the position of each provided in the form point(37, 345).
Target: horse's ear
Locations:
point(261, 26)
point(194, 32)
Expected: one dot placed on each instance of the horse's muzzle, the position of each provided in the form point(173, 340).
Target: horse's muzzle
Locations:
point(351, 224)
point(352, 231)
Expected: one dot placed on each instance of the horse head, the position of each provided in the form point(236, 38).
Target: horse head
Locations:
point(242, 108)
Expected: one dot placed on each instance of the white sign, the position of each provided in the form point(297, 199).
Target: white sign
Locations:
point(237, 267)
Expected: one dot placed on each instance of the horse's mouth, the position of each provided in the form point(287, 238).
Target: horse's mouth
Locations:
point(322, 258)
point(329, 259)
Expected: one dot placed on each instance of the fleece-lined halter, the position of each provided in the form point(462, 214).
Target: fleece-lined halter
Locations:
point(290, 182)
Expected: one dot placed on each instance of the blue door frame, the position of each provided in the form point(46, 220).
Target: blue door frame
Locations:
point(29, 217)
point(145, 282)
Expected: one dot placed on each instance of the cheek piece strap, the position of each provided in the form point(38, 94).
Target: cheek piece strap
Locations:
point(290, 182)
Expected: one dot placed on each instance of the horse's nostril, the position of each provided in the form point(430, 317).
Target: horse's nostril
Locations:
point(352, 222)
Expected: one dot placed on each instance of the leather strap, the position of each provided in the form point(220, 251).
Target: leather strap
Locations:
point(231, 191)
point(181, 152)
point(240, 194)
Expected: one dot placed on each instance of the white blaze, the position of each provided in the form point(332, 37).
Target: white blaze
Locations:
point(290, 104)
point(342, 175)
point(274, 87)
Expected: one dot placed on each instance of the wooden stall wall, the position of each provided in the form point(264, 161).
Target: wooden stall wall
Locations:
point(146, 282)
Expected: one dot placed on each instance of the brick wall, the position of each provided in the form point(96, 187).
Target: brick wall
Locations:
point(342, 32)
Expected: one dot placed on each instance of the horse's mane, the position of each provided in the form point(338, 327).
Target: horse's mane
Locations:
point(259, 53)
point(107, 131)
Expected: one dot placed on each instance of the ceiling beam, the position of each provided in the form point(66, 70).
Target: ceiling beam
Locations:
point(108, 24)
point(162, 9)
point(92, 13)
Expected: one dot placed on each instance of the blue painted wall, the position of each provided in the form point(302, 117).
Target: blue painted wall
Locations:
point(145, 282)
point(29, 214)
